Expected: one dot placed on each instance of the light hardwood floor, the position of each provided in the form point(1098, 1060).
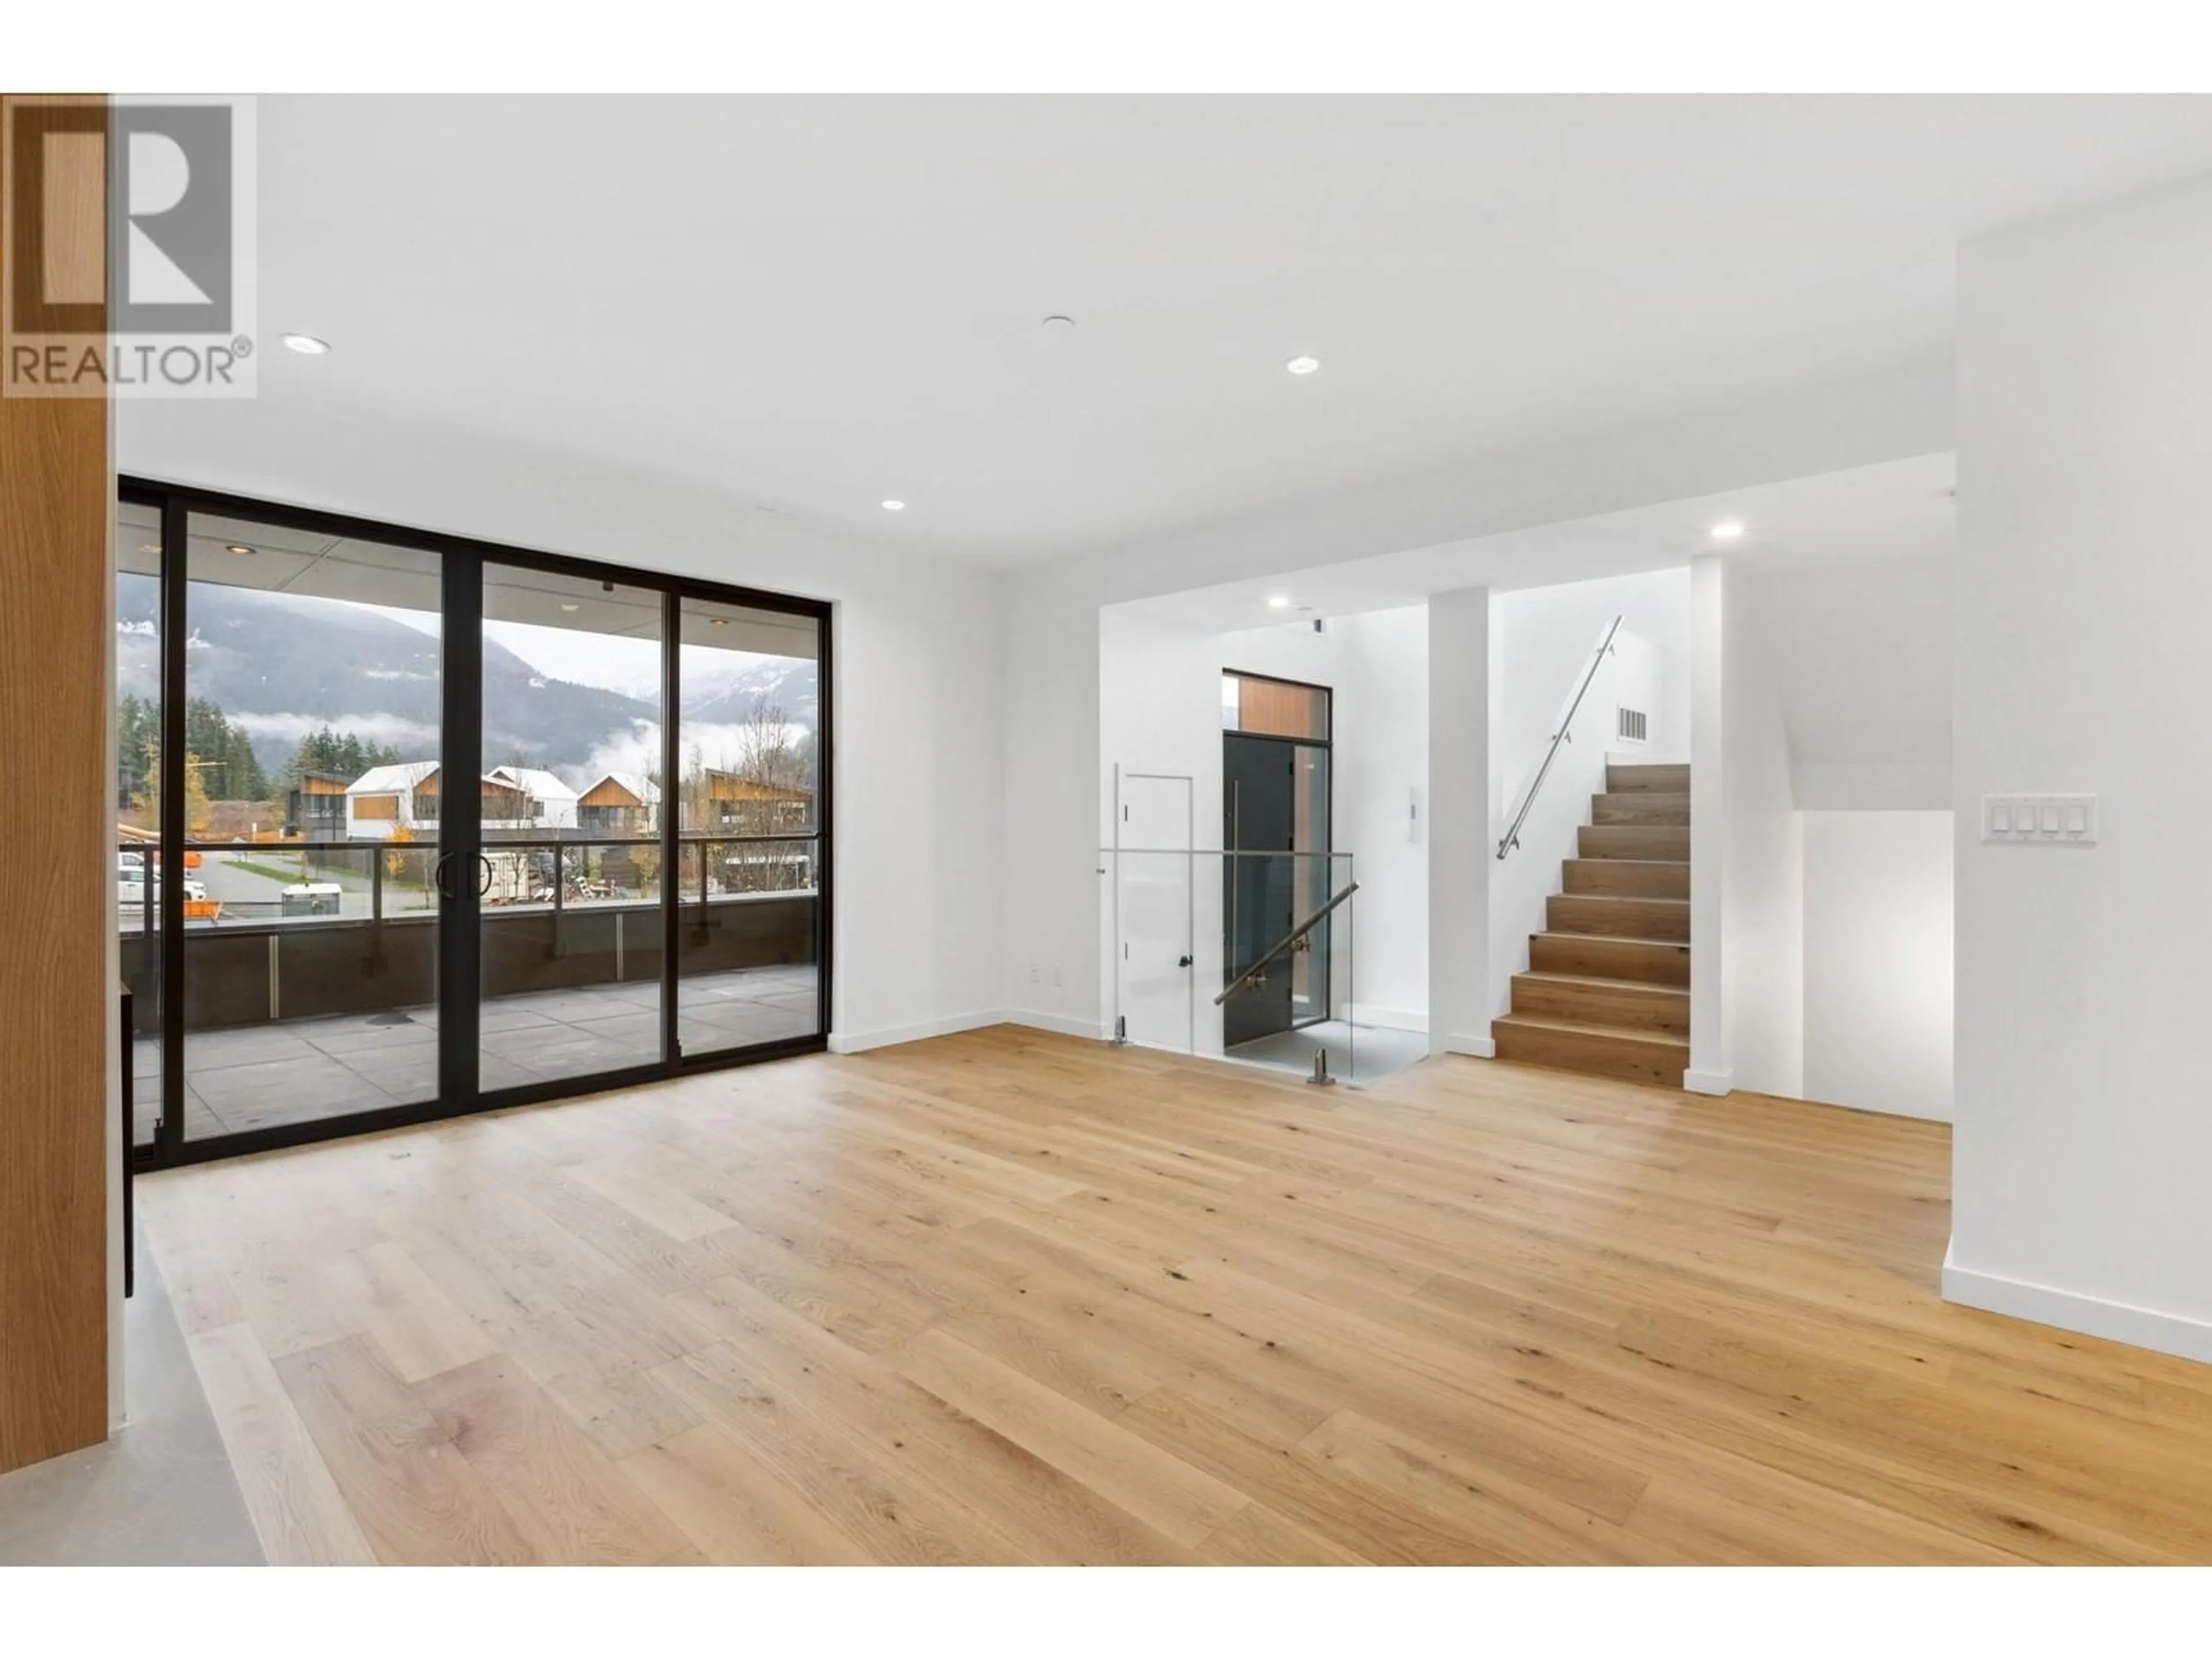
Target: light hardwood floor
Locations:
point(1007, 1297)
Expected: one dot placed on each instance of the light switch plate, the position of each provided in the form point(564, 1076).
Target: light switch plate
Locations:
point(2040, 820)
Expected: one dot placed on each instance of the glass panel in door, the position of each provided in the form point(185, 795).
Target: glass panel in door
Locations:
point(312, 676)
point(1260, 885)
point(1312, 871)
point(1275, 828)
point(571, 925)
point(749, 895)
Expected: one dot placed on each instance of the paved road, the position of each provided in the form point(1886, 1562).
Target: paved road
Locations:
point(251, 883)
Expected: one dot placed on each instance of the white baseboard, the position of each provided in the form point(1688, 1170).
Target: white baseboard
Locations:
point(1709, 1083)
point(1474, 1048)
point(1878, 1110)
point(854, 1042)
point(2071, 1310)
point(1064, 1024)
point(1389, 1019)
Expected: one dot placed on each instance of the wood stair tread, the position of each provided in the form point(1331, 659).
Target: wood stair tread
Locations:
point(1573, 1028)
point(1637, 985)
point(1606, 990)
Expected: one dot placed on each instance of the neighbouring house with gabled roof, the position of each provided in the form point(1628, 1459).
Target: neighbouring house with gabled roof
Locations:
point(732, 804)
point(386, 801)
point(620, 804)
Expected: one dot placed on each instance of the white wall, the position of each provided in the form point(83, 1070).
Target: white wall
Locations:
point(919, 673)
point(1862, 655)
point(1820, 940)
point(1465, 657)
point(1547, 637)
point(2083, 1137)
point(1878, 1014)
point(1159, 710)
point(1383, 806)
point(1762, 883)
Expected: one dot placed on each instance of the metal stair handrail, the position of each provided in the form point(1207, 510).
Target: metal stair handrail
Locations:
point(1597, 660)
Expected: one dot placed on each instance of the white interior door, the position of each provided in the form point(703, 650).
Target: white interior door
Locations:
point(1156, 897)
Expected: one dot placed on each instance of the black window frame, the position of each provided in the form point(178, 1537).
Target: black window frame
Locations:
point(463, 560)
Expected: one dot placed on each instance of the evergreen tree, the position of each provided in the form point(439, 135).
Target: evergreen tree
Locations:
point(137, 730)
point(230, 770)
point(346, 756)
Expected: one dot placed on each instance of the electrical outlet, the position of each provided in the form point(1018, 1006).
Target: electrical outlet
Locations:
point(1037, 973)
point(2040, 820)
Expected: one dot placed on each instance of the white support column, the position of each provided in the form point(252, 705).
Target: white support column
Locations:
point(1463, 669)
point(1709, 1072)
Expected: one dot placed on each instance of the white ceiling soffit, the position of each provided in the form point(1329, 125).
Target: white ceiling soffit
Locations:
point(1900, 509)
point(817, 304)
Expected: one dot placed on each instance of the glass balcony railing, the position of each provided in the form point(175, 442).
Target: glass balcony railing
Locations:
point(1246, 956)
point(310, 983)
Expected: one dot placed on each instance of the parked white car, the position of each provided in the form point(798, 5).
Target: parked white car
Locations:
point(131, 882)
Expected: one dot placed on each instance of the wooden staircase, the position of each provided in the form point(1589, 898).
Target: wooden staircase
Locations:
point(1607, 990)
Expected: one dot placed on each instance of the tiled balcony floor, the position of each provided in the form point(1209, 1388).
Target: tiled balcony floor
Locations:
point(259, 1077)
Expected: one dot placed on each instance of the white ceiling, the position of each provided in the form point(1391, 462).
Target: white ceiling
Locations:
point(816, 303)
point(1897, 510)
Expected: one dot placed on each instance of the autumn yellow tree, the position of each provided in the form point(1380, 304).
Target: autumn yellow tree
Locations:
point(395, 863)
point(146, 805)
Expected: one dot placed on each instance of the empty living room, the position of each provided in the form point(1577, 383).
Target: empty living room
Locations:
point(1234, 810)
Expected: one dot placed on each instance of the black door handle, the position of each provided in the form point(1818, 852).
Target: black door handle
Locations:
point(484, 881)
point(438, 877)
point(1183, 961)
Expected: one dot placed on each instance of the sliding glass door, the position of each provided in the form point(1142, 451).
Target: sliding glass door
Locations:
point(306, 914)
point(749, 748)
point(570, 913)
point(392, 835)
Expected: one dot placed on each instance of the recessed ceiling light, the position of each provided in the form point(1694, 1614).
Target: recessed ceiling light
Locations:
point(240, 547)
point(150, 547)
point(719, 622)
point(567, 605)
point(1303, 365)
point(306, 344)
point(1729, 530)
point(1057, 326)
point(893, 507)
point(1278, 602)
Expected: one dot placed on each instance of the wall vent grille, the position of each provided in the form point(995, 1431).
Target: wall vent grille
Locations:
point(1630, 727)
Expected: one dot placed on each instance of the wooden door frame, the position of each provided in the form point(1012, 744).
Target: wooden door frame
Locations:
point(59, 1167)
